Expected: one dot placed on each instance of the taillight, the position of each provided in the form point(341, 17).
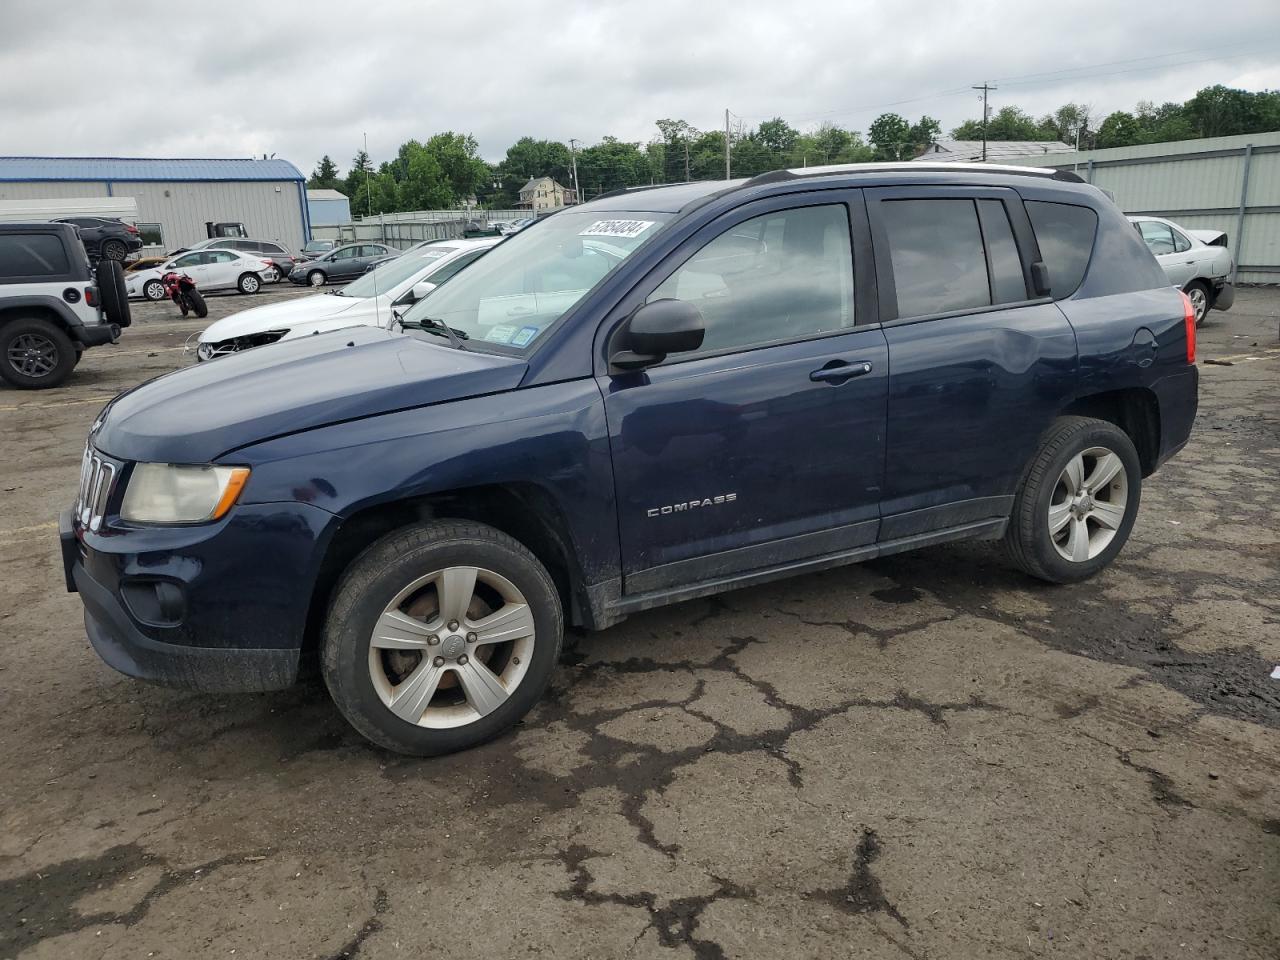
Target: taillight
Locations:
point(130, 228)
point(91, 296)
point(1189, 320)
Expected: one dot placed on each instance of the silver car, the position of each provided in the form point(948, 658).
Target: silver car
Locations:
point(1195, 261)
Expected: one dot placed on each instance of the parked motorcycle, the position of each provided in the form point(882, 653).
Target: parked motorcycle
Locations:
point(181, 289)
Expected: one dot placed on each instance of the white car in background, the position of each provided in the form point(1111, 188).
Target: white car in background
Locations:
point(210, 269)
point(369, 301)
point(1197, 262)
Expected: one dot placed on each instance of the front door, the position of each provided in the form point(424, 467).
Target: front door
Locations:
point(765, 446)
point(978, 364)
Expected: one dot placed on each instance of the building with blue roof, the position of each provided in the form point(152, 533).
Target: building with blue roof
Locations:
point(175, 198)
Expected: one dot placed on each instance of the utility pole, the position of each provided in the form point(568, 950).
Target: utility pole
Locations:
point(573, 154)
point(984, 88)
point(726, 144)
point(367, 192)
point(686, 161)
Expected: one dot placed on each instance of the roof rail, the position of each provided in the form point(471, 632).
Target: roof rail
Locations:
point(797, 173)
point(620, 191)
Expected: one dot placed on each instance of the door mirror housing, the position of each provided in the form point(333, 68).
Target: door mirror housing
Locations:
point(421, 289)
point(657, 329)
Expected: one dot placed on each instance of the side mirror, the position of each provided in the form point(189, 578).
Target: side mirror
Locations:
point(1040, 279)
point(657, 329)
point(422, 288)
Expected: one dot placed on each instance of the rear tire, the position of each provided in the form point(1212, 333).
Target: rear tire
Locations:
point(1197, 292)
point(411, 582)
point(1077, 501)
point(35, 354)
point(197, 303)
point(114, 250)
point(249, 283)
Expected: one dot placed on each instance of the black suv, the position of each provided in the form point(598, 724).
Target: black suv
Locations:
point(106, 238)
point(53, 303)
point(659, 395)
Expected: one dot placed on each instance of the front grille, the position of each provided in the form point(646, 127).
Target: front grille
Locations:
point(96, 479)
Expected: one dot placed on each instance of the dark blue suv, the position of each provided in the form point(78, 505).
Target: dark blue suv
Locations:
point(659, 395)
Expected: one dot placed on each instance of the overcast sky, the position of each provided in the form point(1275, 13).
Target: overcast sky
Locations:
point(303, 79)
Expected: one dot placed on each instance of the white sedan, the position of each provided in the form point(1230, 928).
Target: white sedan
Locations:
point(370, 301)
point(1195, 261)
point(210, 269)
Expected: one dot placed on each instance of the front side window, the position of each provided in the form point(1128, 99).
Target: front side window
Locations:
point(32, 255)
point(781, 276)
point(1065, 233)
point(939, 264)
point(190, 260)
point(520, 288)
point(344, 253)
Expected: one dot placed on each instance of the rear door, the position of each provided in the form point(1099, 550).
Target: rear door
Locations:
point(195, 265)
point(224, 268)
point(765, 446)
point(978, 364)
point(1172, 250)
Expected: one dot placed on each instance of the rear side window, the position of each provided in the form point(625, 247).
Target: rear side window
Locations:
point(939, 265)
point(32, 255)
point(1065, 234)
point(1007, 282)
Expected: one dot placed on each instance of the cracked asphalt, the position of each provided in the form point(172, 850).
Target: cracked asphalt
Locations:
point(928, 755)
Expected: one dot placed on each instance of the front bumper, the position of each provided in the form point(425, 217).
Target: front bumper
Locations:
point(235, 610)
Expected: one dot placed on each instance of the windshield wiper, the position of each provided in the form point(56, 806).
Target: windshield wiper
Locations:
point(436, 325)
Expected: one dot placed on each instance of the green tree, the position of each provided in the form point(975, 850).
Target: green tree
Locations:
point(612, 164)
point(677, 139)
point(528, 158)
point(325, 176)
point(458, 156)
point(777, 135)
point(360, 165)
point(890, 134)
point(422, 183)
point(1119, 129)
point(923, 133)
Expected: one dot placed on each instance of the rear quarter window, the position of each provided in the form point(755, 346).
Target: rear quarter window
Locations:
point(32, 255)
point(1065, 233)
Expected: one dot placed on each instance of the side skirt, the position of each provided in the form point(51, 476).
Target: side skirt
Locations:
point(614, 609)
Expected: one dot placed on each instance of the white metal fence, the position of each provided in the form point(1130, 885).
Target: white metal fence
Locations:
point(407, 228)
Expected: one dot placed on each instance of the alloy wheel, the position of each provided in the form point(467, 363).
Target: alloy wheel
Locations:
point(1199, 302)
point(451, 647)
point(1088, 504)
point(32, 355)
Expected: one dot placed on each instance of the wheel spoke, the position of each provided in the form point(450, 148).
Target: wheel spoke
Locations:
point(1109, 515)
point(1059, 516)
point(399, 631)
point(1078, 540)
point(1073, 475)
point(514, 621)
point(484, 691)
point(455, 587)
point(1104, 471)
point(410, 698)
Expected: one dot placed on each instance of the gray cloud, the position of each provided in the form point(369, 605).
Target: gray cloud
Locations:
point(214, 79)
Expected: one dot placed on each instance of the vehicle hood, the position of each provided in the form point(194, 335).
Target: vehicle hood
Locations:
point(198, 414)
point(274, 316)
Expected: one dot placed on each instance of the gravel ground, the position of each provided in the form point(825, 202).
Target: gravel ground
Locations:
point(928, 755)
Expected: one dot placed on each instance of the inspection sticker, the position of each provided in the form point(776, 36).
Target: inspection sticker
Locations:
point(523, 336)
point(617, 228)
point(500, 334)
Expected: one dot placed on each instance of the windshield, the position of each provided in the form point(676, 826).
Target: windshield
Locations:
point(521, 287)
point(393, 273)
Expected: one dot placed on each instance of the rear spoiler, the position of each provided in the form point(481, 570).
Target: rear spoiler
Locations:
point(1214, 238)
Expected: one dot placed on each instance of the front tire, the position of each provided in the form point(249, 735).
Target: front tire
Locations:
point(153, 290)
point(35, 354)
point(249, 283)
point(1077, 502)
point(317, 278)
point(440, 637)
point(1197, 292)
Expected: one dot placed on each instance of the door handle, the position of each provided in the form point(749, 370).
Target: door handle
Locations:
point(838, 371)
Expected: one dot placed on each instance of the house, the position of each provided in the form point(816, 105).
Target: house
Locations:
point(998, 151)
point(543, 195)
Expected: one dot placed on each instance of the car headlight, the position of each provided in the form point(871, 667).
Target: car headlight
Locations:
point(181, 493)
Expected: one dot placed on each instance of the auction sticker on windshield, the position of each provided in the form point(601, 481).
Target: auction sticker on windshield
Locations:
point(617, 228)
point(500, 334)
